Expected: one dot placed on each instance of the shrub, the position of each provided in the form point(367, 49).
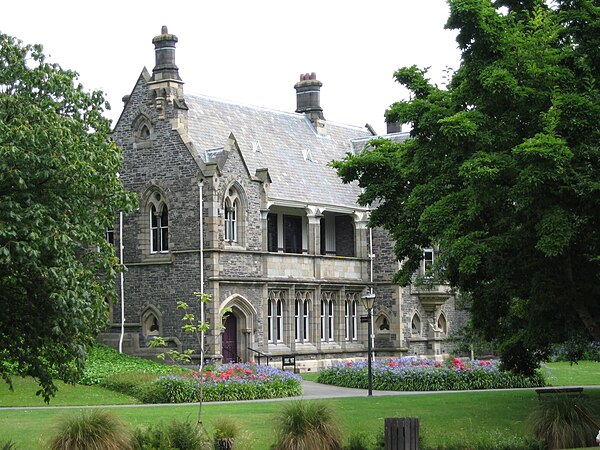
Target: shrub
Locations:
point(91, 430)
point(495, 441)
point(576, 349)
point(560, 422)
point(129, 383)
point(177, 434)
point(304, 425)
point(357, 441)
point(412, 374)
point(104, 361)
point(228, 382)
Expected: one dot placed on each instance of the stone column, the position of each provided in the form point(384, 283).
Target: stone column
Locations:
point(361, 237)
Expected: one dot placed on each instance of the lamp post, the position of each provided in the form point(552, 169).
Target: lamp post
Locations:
point(368, 300)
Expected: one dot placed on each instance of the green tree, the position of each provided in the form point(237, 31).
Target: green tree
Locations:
point(502, 171)
point(59, 192)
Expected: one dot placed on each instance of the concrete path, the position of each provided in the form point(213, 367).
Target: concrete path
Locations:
point(313, 391)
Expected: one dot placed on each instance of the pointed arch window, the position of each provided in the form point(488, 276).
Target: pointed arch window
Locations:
point(327, 317)
point(159, 225)
point(415, 325)
point(302, 317)
point(231, 216)
point(442, 324)
point(275, 317)
point(142, 128)
point(350, 317)
point(151, 322)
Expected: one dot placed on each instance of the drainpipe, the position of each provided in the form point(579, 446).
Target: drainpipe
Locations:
point(371, 257)
point(201, 231)
point(122, 282)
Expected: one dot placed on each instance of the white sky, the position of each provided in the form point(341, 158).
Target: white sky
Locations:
point(250, 52)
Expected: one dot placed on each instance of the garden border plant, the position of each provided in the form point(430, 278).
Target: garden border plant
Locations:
point(414, 374)
point(228, 382)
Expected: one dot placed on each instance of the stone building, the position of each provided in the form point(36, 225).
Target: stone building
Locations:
point(239, 202)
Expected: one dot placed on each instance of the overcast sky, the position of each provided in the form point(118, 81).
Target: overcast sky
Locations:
point(250, 52)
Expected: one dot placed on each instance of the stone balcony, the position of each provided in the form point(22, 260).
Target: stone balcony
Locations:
point(431, 295)
point(315, 267)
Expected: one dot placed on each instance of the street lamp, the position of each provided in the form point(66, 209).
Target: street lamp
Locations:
point(368, 300)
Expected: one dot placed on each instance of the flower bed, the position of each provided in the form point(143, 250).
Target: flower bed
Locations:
point(227, 382)
point(412, 374)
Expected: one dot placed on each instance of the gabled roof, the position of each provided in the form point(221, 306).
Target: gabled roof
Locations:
point(284, 143)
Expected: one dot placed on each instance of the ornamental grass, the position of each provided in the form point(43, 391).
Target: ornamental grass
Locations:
point(91, 430)
point(302, 425)
point(414, 374)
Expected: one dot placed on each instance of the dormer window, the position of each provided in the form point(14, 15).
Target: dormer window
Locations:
point(233, 215)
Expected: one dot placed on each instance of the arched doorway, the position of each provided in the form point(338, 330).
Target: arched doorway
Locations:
point(229, 340)
point(238, 322)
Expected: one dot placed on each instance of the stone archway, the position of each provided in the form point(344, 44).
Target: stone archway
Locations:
point(238, 328)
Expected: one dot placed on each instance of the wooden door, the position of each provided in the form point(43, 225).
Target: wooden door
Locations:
point(229, 340)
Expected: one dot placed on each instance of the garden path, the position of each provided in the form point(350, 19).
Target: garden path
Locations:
point(311, 391)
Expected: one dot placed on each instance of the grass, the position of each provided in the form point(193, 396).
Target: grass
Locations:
point(68, 395)
point(444, 417)
point(584, 373)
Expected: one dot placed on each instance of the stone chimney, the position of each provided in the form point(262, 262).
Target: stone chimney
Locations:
point(164, 50)
point(165, 88)
point(308, 100)
point(394, 127)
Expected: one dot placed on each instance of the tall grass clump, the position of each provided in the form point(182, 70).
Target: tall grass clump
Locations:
point(303, 425)
point(226, 433)
point(560, 422)
point(91, 430)
point(176, 434)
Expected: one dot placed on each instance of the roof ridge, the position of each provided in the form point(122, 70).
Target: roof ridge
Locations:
point(267, 109)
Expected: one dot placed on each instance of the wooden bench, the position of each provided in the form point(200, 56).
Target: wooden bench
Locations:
point(558, 390)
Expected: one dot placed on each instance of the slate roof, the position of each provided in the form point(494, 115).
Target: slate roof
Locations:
point(284, 143)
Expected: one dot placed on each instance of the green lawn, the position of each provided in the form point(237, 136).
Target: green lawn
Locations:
point(584, 373)
point(444, 417)
point(71, 395)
